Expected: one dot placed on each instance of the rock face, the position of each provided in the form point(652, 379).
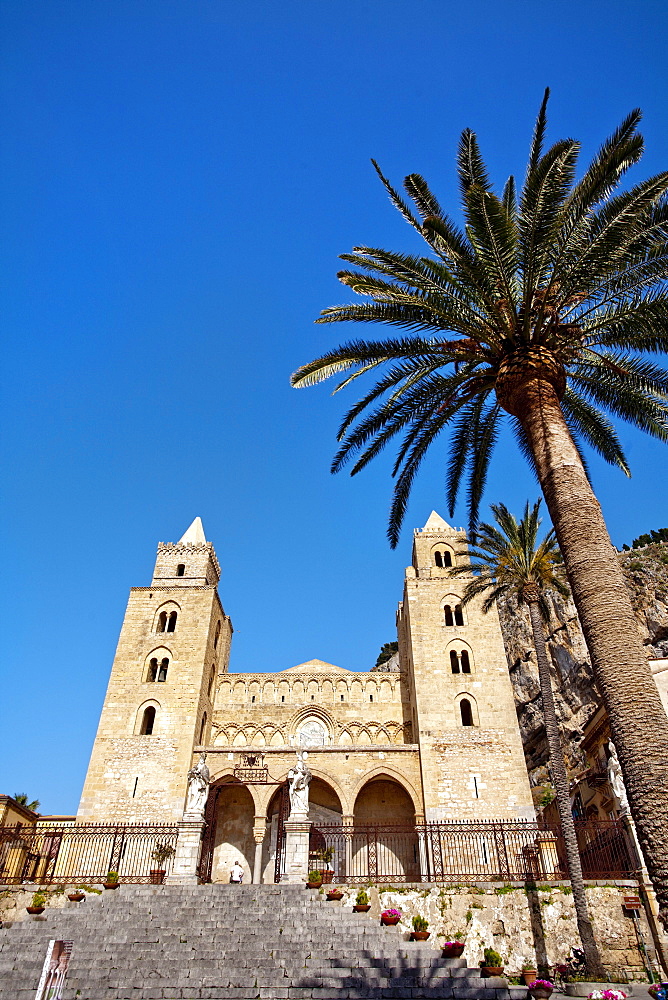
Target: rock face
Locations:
point(576, 694)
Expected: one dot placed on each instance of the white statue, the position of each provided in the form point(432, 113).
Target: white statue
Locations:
point(299, 778)
point(198, 787)
point(616, 779)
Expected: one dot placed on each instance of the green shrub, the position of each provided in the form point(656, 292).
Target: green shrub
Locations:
point(420, 923)
point(492, 958)
point(362, 898)
point(315, 876)
point(38, 899)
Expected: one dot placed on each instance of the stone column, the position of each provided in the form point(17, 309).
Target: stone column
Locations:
point(297, 832)
point(188, 847)
point(259, 831)
point(348, 821)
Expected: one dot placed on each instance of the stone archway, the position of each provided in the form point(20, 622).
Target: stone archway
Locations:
point(233, 832)
point(382, 801)
point(386, 843)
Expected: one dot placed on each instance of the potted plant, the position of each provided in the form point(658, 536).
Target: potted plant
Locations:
point(659, 991)
point(38, 903)
point(390, 917)
point(111, 881)
point(325, 855)
point(161, 853)
point(529, 973)
point(420, 932)
point(454, 948)
point(334, 894)
point(540, 989)
point(492, 963)
point(362, 904)
point(314, 879)
point(77, 896)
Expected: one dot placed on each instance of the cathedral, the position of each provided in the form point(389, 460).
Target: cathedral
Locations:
point(430, 735)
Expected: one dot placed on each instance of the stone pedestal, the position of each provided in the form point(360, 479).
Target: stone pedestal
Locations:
point(297, 830)
point(188, 847)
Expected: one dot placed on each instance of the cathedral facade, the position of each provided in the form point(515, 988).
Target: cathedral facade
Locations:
point(431, 735)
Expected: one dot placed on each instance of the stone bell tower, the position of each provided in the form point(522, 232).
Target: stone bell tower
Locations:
point(464, 719)
point(174, 642)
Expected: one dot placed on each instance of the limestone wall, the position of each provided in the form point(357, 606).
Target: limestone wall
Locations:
point(524, 925)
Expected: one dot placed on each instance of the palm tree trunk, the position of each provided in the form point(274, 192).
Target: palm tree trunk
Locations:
point(637, 719)
point(561, 787)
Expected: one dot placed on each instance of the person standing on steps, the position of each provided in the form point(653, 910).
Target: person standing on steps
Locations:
point(236, 873)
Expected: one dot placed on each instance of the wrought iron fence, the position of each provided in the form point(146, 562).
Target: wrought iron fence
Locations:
point(470, 852)
point(74, 854)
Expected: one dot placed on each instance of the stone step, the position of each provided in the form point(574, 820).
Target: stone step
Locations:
point(219, 942)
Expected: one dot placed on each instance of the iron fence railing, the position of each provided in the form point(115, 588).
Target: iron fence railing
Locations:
point(83, 854)
point(470, 852)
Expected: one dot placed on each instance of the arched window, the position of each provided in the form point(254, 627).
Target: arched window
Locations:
point(162, 622)
point(438, 559)
point(466, 712)
point(148, 721)
point(459, 615)
point(454, 661)
point(181, 569)
point(447, 559)
point(212, 677)
point(171, 622)
point(202, 729)
point(217, 636)
point(447, 611)
point(466, 663)
point(158, 672)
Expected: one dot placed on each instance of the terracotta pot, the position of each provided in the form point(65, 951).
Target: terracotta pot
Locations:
point(492, 970)
point(111, 885)
point(453, 950)
point(540, 992)
point(529, 975)
point(334, 894)
point(76, 897)
point(157, 876)
point(420, 935)
point(389, 921)
point(361, 907)
point(35, 909)
point(327, 876)
point(313, 885)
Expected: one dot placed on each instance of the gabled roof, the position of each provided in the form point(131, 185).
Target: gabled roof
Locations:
point(317, 667)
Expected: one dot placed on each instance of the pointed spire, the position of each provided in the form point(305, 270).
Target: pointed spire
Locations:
point(194, 535)
point(436, 523)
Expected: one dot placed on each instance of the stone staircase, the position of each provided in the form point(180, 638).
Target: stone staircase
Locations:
point(215, 942)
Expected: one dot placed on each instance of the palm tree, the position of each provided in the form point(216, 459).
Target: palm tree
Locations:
point(537, 313)
point(509, 560)
point(22, 799)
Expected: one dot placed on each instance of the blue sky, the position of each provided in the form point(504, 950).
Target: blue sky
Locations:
point(177, 181)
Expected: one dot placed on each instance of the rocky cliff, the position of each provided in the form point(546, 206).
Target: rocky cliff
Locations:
point(576, 695)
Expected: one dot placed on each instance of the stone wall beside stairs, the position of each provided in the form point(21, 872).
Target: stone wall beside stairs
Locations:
point(523, 925)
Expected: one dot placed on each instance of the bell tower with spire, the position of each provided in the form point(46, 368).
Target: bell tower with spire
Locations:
point(174, 642)
point(463, 712)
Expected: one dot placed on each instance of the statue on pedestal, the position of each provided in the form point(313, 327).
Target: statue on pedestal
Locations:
point(299, 778)
point(198, 787)
point(616, 779)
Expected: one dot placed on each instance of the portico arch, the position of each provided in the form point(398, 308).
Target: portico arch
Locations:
point(383, 801)
point(388, 774)
point(233, 837)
